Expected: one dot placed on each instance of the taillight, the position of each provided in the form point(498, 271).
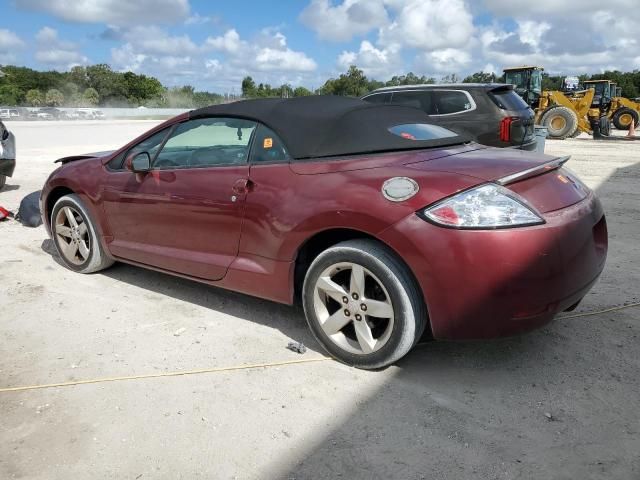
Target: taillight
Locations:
point(505, 128)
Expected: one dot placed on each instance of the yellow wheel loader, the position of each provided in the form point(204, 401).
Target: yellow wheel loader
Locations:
point(622, 110)
point(564, 114)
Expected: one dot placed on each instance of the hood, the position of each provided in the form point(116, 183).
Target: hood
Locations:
point(84, 156)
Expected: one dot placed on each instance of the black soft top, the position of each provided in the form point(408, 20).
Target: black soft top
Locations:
point(327, 125)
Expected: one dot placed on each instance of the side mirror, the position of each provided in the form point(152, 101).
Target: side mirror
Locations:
point(141, 163)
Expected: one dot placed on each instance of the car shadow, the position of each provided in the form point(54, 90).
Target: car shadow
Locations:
point(288, 319)
point(8, 187)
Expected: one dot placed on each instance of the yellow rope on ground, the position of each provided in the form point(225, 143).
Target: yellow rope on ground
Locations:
point(598, 312)
point(165, 374)
point(240, 367)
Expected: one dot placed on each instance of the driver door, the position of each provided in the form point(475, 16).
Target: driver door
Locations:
point(185, 214)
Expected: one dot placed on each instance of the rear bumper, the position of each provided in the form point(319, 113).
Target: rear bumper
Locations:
point(492, 283)
point(7, 167)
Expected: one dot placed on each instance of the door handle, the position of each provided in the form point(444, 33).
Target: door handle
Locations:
point(242, 186)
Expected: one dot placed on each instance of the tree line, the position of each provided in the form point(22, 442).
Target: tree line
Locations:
point(99, 85)
point(92, 86)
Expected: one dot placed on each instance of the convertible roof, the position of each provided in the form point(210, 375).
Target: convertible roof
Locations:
point(327, 125)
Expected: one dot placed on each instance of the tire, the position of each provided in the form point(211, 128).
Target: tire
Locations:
point(3, 181)
point(389, 289)
point(560, 121)
point(623, 116)
point(605, 126)
point(576, 133)
point(78, 247)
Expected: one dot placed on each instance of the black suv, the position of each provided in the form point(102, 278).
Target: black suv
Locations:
point(490, 113)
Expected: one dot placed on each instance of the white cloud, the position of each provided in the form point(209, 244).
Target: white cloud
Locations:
point(115, 12)
point(220, 61)
point(55, 52)
point(429, 25)
point(228, 43)
point(154, 40)
point(349, 19)
point(10, 44)
point(446, 61)
point(374, 62)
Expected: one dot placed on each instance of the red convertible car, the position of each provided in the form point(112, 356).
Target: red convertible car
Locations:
point(379, 223)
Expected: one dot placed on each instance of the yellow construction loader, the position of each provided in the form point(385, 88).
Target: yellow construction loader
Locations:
point(565, 114)
point(622, 110)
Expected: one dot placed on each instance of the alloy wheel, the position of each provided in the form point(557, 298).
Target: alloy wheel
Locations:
point(353, 308)
point(72, 235)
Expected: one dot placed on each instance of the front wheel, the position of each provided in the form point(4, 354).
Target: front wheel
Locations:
point(74, 235)
point(362, 304)
point(623, 118)
point(561, 122)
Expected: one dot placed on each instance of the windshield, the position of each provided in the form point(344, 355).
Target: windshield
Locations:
point(536, 81)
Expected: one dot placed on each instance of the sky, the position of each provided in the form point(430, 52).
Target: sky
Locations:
point(213, 44)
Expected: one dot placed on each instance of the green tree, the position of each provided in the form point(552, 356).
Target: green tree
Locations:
point(90, 97)
point(302, 92)
point(54, 98)
point(352, 83)
point(9, 95)
point(248, 87)
point(35, 98)
point(409, 79)
point(481, 77)
point(451, 78)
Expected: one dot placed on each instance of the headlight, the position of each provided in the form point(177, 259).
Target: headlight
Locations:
point(487, 206)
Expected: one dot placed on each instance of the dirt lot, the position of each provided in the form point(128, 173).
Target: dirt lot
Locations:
point(447, 411)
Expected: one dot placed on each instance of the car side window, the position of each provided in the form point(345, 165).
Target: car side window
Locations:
point(378, 98)
point(416, 98)
point(267, 147)
point(206, 142)
point(150, 145)
point(451, 101)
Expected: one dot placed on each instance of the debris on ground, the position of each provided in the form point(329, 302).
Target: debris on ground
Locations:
point(4, 214)
point(550, 417)
point(179, 332)
point(29, 211)
point(297, 347)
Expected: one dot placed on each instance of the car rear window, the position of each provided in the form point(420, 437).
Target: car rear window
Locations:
point(421, 131)
point(508, 99)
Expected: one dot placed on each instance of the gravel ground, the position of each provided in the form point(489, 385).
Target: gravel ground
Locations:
point(559, 403)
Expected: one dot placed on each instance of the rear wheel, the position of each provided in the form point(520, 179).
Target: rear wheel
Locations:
point(75, 238)
point(362, 304)
point(623, 117)
point(561, 122)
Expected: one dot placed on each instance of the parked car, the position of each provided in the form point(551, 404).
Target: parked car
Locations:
point(90, 114)
point(49, 113)
point(381, 223)
point(5, 114)
point(7, 154)
point(490, 113)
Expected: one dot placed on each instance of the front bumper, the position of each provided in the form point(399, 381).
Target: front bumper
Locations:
point(492, 283)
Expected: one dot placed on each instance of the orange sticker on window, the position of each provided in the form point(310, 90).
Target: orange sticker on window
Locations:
point(267, 143)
